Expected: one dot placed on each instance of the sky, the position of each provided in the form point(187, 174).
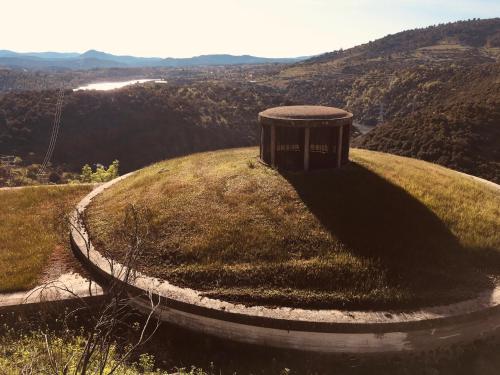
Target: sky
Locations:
point(185, 28)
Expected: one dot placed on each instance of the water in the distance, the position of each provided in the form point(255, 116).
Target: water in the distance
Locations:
point(364, 128)
point(104, 86)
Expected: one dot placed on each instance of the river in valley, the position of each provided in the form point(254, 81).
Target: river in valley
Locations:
point(106, 86)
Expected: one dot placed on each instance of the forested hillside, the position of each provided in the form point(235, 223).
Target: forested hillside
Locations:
point(136, 125)
point(457, 122)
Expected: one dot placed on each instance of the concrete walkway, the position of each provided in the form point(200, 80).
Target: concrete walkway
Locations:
point(66, 288)
point(62, 280)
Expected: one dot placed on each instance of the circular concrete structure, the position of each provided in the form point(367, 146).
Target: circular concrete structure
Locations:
point(326, 331)
point(305, 137)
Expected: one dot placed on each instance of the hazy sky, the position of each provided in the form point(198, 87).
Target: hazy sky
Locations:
point(183, 28)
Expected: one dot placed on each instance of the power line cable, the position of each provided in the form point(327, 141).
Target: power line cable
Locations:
point(55, 131)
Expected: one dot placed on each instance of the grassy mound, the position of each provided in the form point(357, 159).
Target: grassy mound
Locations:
point(28, 230)
point(384, 232)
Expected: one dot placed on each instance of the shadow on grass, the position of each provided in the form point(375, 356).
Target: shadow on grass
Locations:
point(376, 219)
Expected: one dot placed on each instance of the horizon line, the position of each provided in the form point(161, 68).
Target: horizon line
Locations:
point(163, 58)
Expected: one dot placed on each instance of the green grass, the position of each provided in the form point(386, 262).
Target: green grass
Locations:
point(28, 235)
point(384, 232)
point(29, 353)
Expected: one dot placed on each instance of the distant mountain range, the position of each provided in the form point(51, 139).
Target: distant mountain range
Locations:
point(93, 59)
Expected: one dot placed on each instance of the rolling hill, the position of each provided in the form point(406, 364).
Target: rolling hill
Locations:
point(474, 39)
point(434, 93)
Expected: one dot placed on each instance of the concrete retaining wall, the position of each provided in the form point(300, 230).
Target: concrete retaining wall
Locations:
point(328, 331)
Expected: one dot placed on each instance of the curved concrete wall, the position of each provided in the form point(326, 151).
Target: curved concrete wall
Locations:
point(328, 331)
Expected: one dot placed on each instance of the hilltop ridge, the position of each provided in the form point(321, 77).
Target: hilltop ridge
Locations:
point(478, 39)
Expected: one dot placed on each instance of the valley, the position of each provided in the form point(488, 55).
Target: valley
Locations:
point(431, 93)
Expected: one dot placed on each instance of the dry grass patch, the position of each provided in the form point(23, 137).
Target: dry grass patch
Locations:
point(384, 232)
point(28, 235)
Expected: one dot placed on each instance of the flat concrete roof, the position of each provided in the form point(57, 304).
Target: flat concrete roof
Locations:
point(304, 115)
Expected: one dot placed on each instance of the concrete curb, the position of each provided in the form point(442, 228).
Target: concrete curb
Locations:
point(68, 289)
point(328, 331)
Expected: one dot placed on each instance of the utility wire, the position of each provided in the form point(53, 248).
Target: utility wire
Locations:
point(55, 131)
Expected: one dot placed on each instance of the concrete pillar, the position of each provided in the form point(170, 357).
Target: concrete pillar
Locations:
point(339, 148)
point(261, 142)
point(347, 134)
point(273, 146)
point(307, 138)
